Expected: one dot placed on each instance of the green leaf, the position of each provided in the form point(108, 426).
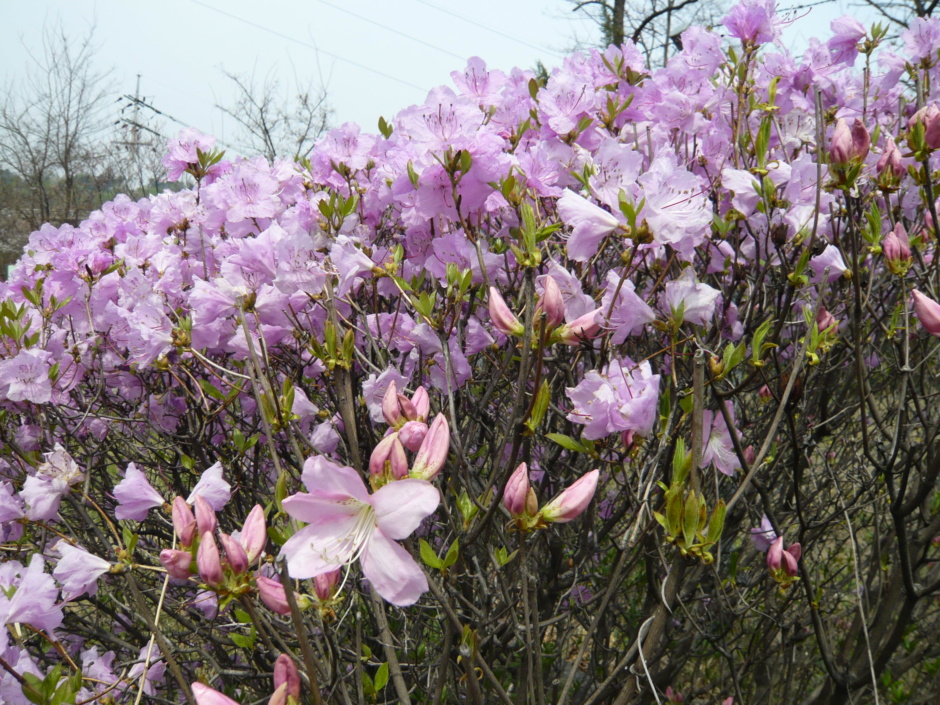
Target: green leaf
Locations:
point(539, 408)
point(566, 442)
point(385, 128)
point(429, 556)
point(717, 522)
point(690, 518)
point(381, 677)
point(452, 554)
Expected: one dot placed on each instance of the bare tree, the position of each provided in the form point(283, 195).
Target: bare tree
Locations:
point(50, 124)
point(654, 25)
point(273, 124)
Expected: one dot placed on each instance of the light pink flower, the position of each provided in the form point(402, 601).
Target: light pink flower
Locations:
point(928, 312)
point(572, 501)
point(589, 224)
point(213, 488)
point(78, 570)
point(135, 495)
point(346, 523)
point(207, 696)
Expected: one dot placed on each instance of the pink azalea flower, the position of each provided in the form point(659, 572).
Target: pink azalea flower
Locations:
point(753, 21)
point(764, 535)
point(135, 495)
point(212, 488)
point(78, 570)
point(717, 445)
point(589, 223)
point(207, 696)
point(696, 300)
point(347, 523)
point(26, 377)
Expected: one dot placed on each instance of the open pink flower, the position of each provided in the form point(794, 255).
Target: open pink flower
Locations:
point(347, 523)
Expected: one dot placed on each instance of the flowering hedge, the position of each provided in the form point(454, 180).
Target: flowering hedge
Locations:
point(618, 386)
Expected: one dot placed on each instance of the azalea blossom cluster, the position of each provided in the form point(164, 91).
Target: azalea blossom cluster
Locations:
point(299, 420)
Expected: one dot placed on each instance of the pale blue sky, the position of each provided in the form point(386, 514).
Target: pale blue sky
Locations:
point(375, 57)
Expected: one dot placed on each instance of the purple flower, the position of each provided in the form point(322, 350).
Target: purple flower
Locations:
point(26, 377)
point(216, 491)
point(717, 445)
point(764, 535)
point(135, 495)
point(624, 398)
point(753, 21)
point(589, 224)
point(78, 570)
point(695, 300)
point(347, 523)
point(846, 34)
point(182, 152)
point(34, 596)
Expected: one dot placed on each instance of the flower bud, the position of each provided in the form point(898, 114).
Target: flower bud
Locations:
point(779, 559)
point(285, 673)
point(433, 451)
point(517, 491)
point(897, 249)
point(928, 313)
point(254, 533)
point(205, 695)
point(412, 435)
point(572, 501)
point(889, 164)
point(237, 558)
point(325, 585)
point(208, 561)
point(929, 117)
point(552, 304)
point(583, 328)
point(750, 455)
point(503, 319)
point(176, 563)
point(206, 522)
point(391, 452)
point(824, 320)
point(840, 147)
point(861, 140)
point(422, 404)
point(184, 523)
point(279, 696)
point(273, 595)
point(390, 407)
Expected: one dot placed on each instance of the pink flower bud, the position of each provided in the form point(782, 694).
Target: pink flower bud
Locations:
point(273, 595)
point(389, 451)
point(390, 408)
point(176, 562)
point(184, 523)
point(583, 328)
point(206, 522)
point(279, 696)
point(237, 558)
point(209, 562)
point(254, 533)
point(517, 491)
point(861, 140)
point(433, 451)
point(552, 304)
point(780, 559)
point(285, 673)
point(572, 501)
point(824, 319)
point(407, 408)
point(897, 249)
point(840, 147)
point(422, 404)
point(325, 585)
point(889, 164)
point(928, 313)
point(412, 435)
point(503, 319)
point(750, 455)
point(929, 116)
point(207, 696)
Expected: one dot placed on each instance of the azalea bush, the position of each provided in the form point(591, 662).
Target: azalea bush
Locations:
point(617, 387)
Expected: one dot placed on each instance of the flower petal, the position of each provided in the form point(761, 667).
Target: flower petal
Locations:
point(401, 506)
point(319, 548)
point(329, 479)
point(392, 571)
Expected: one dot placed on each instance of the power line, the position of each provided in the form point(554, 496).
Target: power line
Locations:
point(393, 31)
point(309, 46)
point(488, 29)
